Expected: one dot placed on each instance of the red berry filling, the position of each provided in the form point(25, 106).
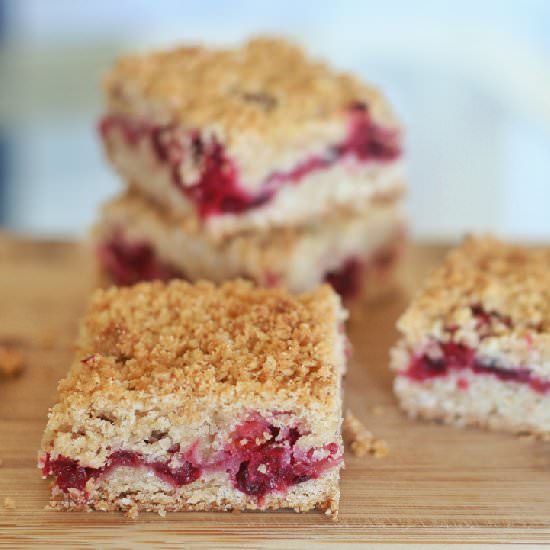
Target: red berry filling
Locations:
point(129, 263)
point(368, 141)
point(457, 357)
point(346, 280)
point(181, 470)
point(68, 473)
point(217, 189)
point(260, 458)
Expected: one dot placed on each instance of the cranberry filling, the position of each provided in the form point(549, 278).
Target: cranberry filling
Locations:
point(368, 141)
point(346, 280)
point(217, 189)
point(70, 475)
point(259, 458)
point(460, 357)
point(129, 263)
point(262, 458)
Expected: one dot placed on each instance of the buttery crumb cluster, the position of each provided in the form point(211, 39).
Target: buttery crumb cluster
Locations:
point(198, 397)
point(360, 440)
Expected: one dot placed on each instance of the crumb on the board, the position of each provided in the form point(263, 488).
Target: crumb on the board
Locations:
point(527, 436)
point(332, 513)
point(380, 448)
point(360, 440)
point(132, 513)
point(11, 361)
point(9, 503)
point(378, 410)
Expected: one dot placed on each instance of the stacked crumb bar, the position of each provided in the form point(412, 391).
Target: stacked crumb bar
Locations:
point(255, 162)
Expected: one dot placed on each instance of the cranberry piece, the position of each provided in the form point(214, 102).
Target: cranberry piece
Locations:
point(217, 191)
point(250, 432)
point(540, 386)
point(368, 141)
point(266, 471)
point(129, 263)
point(69, 474)
point(346, 280)
point(292, 436)
point(424, 367)
point(261, 458)
point(181, 475)
point(457, 357)
point(129, 459)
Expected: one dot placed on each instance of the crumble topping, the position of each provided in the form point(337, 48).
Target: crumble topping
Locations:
point(485, 292)
point(193, 351)
point(162, 335)
point(267, 86)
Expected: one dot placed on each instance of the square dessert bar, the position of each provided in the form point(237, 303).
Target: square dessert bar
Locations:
point(197, 397)
point(475, 345)
point(251, 137)
point(136, 240)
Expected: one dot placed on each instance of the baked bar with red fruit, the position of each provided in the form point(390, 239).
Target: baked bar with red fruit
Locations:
point(253, 137)
point(197, 397)
point(357, 254)
point(475, 342)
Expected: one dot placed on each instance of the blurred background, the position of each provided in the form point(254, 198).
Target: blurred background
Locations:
point(470, 79)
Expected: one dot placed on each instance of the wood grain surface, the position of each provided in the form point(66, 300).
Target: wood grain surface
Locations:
point(438, 484)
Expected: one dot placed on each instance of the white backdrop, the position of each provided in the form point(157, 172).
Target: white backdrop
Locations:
point(470, 79)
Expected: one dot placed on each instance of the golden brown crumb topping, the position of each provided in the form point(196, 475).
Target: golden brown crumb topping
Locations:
point(202, 342)
point(486, 285)
point(268, 85)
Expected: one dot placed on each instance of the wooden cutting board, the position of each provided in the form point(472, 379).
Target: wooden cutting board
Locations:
point(437, 483)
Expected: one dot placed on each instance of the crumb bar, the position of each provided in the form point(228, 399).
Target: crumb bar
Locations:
point(475, 342)
point(357, 254)
point(197, 397)
point(251, 137)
